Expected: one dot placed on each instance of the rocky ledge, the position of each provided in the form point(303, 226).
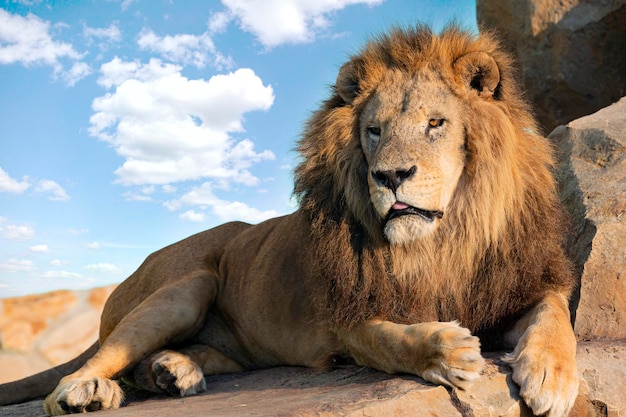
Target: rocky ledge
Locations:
point(354, 391)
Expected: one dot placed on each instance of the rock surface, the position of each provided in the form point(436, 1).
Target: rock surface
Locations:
point(592, 177)
point(571, 52)
point(41, 331)
point(363, 392)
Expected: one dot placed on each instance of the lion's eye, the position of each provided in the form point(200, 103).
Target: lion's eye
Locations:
point(373, 131)
point(436, 122)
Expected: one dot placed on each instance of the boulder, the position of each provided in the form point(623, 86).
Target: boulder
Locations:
point(592, 184)
point(570, 52)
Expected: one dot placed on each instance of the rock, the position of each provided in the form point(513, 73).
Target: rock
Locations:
point(570, 52)
point(22, 319)
point(592, 182)
point(360, 392)
point(603, 370)
point(44, 330)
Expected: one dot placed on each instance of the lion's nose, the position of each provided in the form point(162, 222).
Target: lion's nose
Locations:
point(393, 178)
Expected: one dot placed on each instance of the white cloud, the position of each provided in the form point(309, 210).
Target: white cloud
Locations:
point(275, 22)
point(110, 34)
point(235, 210)
point(218, 22)
point(78, 71)
point(204, 198)
point(93, 245)
point(102, 267)
point(16, 232)
point(16, 265)
point(26, 40)
point(10, 185)
point(193, 216)
point(126, 4)
point(168, 189)
point(55, 191)
point(77, 231)
point(61, 274)
point(131, 196)
point(40, 249)
point(171, 129)
point(58, 262)
point(182, 48)
point(199, 196)
point(116, 72)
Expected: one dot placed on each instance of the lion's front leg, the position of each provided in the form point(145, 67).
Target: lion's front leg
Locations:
point(441, 353)
point(544, 359)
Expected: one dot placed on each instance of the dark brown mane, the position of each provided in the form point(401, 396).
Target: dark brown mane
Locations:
point(493, 254)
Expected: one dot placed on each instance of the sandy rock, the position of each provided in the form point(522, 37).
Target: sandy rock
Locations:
point(76, 334)
point(571, 52)
point(592, 181)
point(22, 319)
point(602, 367)
point(44, 330)
point(16, 365)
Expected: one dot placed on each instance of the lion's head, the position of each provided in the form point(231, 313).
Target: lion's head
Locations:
point(413, 139)
point(425, 164)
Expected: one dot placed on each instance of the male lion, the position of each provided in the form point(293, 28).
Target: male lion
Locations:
point(427, 203)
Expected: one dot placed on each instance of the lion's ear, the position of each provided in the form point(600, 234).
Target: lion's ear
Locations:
point(347, 84)
point(478, 71)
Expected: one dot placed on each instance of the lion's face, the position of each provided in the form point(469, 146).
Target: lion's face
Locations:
point(413, 139)
point(396, 146)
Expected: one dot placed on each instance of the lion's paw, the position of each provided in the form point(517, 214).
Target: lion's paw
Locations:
point(82, 395)
point(453, 356)
point(176, 374)
point(548, 380)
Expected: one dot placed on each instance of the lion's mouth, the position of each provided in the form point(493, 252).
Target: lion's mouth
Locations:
point(402, 209)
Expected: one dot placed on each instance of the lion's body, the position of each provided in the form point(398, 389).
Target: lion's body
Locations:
point(426, 197)
point(262, 306)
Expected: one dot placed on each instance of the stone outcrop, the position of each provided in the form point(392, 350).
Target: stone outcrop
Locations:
point(41, 331)
point(570, 52)
point(363, 392)
point(592, 177)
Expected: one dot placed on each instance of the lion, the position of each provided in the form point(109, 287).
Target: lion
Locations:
point(429, 227)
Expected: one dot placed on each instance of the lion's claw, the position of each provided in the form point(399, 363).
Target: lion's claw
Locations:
point(454, 358)
point(176, 374)
point(548, 384)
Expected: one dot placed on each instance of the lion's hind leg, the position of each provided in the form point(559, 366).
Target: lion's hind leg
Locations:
point(181, 373)
point(172, 314)
point(168, 371)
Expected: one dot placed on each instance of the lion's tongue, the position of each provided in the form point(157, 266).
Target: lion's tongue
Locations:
point(399, 206)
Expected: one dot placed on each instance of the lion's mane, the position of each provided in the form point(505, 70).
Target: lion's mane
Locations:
point(492, 256)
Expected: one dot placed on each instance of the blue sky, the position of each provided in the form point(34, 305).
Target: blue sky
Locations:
point(128, 125)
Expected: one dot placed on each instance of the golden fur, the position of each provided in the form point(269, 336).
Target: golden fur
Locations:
point(427, 204)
